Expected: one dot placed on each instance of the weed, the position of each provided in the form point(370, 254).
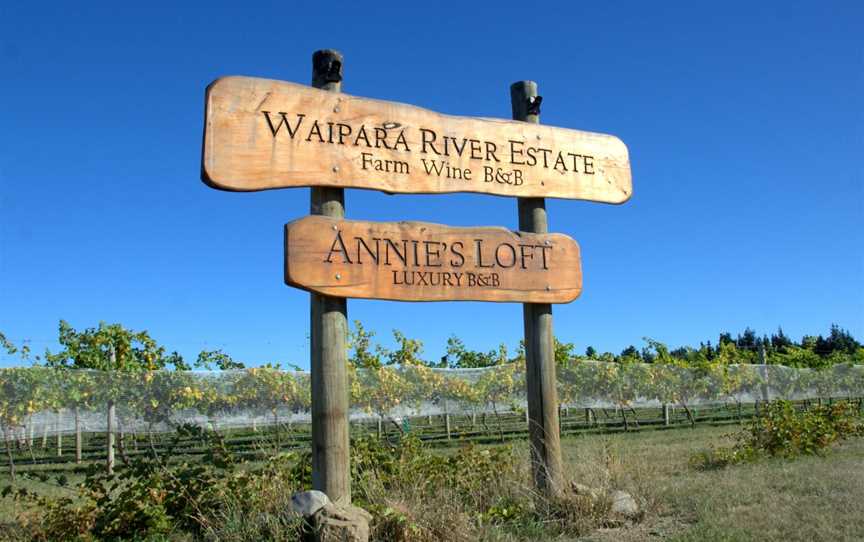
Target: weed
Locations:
point(785, 431)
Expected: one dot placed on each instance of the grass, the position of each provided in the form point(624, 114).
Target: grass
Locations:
point(806, 499)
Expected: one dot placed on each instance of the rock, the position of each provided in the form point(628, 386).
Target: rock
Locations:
point(623, 504)
point(307, 503)
point(341, 523)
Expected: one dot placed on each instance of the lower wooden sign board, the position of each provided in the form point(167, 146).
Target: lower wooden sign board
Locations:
point(419, 261)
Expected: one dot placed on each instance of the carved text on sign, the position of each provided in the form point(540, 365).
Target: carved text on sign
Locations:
point(438, 148)
point(429, 262)
point(262, 134)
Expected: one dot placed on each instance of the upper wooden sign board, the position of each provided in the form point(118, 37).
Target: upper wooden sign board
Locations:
point(418, 261)
point(261, 134)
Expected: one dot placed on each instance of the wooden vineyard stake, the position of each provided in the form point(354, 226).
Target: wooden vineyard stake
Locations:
point(419, 261)
point(262, 134)
point(109, 433)
point(331, 472)
point(540, 380)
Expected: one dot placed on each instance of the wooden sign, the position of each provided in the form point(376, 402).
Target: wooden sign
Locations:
point(418, 261)
point(261, 134)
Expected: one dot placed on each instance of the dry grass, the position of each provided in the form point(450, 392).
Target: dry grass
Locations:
point(807, 499)
point(403, 518)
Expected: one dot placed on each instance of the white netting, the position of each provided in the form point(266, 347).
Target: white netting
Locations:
point(54, 400)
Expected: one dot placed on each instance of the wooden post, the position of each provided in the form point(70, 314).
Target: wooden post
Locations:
point(109, 462)
point(59, 432)
point(561, 416)
point(763, 388)
point(8, 443)
point(666, 416)
point(447, 419)
point(109, 465)
point(77, 435)
point(539, 343)
point(763, 372)
point(331, 471)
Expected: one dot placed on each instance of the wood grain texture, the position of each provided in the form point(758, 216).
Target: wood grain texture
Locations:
point(417, 261)
point(331, 465)
point(540, 380)
point(261, 134)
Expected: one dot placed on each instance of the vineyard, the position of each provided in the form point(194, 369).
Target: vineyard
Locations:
point(273, 456)
point(56, 416)
point(54, 450)
point(114, 413)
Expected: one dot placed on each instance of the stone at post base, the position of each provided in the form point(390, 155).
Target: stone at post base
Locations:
point(341, 523)
point(307, 503)
point(624, 505)
point(331, 522)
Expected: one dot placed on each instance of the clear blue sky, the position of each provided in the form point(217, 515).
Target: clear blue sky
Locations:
point(743, 120)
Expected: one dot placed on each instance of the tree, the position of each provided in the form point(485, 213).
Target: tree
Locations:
point(378, 390)
point(648, 354)
point(809, 342)
point(18, 400)
point(822, 348)
point(219, 359)
point(268, 388)
point(564, 352)
point(364, 355)
point(747, 340)
point(840, 340)
point(676, 380)
point(779, 341)
point(408, 351)
point(710, 352)
point(798, 357)
point(23, 352)
point(460, 357)
point(498, 386)
point(425, 385)
point(157, 396)
point(630, 355)
point(590, 352)
point(109, 348)
point(80, 391)
point(458, 390)
point(20, 389)
point(682, 352)
point(91, 349)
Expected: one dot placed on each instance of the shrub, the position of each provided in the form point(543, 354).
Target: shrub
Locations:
point(149, 498)
point(413, 492)
point(398, 484)
point(782, 430)
point(417, 494)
